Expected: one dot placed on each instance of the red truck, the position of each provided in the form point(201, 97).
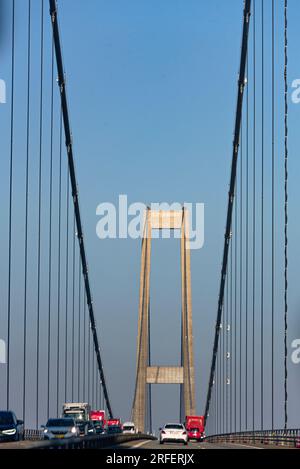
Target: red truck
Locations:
point(194, 425)
point(114, 423)
point(114, 426)
point(99, 419)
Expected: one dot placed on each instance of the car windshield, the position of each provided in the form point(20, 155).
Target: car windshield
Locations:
point(6, 418)
point(128, 427)
point(60, 423)
point(194, 430)
point(174, 426)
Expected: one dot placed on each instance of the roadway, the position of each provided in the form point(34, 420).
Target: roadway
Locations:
point(150, 445)
point(192, 446)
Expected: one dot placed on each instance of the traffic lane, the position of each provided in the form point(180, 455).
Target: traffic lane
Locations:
point(24, 444)
point(192, 446)
point(169, 446)
point(134, 444)
point(147, 444)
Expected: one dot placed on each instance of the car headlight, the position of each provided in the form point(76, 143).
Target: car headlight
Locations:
point(12, 431)
point(46, 430)
point(73, 430)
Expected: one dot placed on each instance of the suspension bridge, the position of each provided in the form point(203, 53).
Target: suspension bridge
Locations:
point(50, 340)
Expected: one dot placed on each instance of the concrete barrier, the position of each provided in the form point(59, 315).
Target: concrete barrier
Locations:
point(89, 442)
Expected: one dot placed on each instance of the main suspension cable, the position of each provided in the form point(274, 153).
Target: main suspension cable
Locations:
point(69, 146)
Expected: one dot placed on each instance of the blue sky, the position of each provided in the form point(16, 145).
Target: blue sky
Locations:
point(152, 92)
point(157, 86)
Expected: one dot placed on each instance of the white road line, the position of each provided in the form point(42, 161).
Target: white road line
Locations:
point(140, 444)
point(229, 446)
point(246, 446)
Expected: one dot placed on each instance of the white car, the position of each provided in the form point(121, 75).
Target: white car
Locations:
point(175, 432)
point(128, 428)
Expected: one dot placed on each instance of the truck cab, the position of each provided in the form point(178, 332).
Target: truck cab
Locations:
point(99, 420)
point(114, 426)
point(194, 425)
point(80, 412)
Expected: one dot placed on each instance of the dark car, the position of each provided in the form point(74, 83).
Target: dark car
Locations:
point(114, 429)
point(11, 429)
point(98, 427)
point(86, 427)
point(83, 427)
point(91, 430)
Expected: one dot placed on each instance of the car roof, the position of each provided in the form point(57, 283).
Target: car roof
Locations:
point(179, 423)
point(55, 419)
point(8, 412)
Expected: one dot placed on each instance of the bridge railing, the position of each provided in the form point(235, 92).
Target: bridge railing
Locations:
point(288, 438)
point(32, 434)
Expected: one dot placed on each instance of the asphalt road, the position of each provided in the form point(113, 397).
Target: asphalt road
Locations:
point(154, 445)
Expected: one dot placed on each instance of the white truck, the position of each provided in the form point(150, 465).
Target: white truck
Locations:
point(80, 412)
point(129, 428)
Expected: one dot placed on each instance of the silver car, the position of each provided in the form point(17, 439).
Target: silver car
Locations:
point(60, 428)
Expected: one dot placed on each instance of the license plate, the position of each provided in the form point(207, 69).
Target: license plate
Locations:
point(59, 436)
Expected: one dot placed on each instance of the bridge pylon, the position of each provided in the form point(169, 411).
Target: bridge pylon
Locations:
point(147, 374)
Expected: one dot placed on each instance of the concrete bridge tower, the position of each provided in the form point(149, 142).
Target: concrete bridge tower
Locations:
point(145, 374)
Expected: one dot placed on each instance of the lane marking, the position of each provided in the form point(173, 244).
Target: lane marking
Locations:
point(141, 444)
point(246, 446)
point(227, 446)
point(235, 446)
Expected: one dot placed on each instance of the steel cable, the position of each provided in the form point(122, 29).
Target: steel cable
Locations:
point(262, 224)
point(50, 232)
point(26, 209)
point(285, 211)
point(10, 207)
point(254, 217)
point(273, 214)
point(59, 267)
point(39, 212)
point(67, 283)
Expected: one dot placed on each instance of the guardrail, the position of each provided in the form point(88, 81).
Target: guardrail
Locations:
point(89, 442)
point(30, 434)
point(288, 438)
